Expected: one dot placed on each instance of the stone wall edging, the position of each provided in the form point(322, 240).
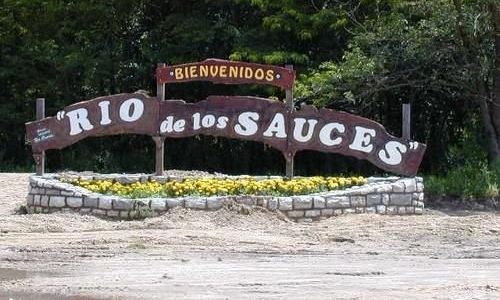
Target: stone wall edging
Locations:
point(382, 195)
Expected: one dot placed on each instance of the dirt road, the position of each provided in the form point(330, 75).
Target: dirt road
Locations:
point(212, 255)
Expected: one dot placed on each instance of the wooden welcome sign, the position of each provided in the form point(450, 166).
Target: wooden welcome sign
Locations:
point(227, 72)
point(247, 118)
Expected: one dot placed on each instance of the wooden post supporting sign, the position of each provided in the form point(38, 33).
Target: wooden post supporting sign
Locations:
point(289, 104)
point(40, 156)
point(406, 121)
point(160, 140)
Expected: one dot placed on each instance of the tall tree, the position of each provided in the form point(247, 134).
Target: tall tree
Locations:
point(485, 79)
point(442, 56)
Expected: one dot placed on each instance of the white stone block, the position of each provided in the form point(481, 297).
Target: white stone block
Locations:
point(44, 201)
point(373, 199)
point(385, 199)
point(370, 210)
point(285, 203)
point(67, 193)
point(327, 212)
point(401, 199)
point(360, 210)
point(385, 188)
point(57, 201)
point(303, 202)
point(106, 202)
point(313, 213)
point(174, 202)
point(272, 204)
point(112, 213)
point(410, 185)
point(357, 201)
point(319, 202)
point(295, 213)
point(338, 202)
point(100, 212)
point(215, 203)
point(123, 204)
point(247, 200)
point(75, 202)
point(398, 187)
point(391, 210)
point(381, 209)
point(196, 203)
point(36, 200)
point(158, 204)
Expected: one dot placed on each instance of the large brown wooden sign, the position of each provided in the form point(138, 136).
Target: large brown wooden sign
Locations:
point(246, 118)
point(228, 72)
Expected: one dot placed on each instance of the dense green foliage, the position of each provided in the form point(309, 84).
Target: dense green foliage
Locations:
point(366, 56)
point(472, 181)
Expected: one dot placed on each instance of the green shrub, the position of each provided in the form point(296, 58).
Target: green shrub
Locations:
point(472, 180)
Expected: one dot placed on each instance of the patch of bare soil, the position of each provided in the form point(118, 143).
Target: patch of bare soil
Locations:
point(234, 253)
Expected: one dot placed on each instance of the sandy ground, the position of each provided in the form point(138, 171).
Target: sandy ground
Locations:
point(225, 255)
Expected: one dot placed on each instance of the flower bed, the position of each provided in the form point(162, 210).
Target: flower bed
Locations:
point(301, 199)
point(220, 186)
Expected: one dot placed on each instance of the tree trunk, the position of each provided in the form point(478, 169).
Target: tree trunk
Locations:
point(488, 125)
point(494, 104)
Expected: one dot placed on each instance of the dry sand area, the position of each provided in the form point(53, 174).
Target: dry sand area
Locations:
point(228, 255)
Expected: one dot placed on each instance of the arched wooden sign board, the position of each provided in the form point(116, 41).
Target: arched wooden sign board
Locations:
point(246, 118)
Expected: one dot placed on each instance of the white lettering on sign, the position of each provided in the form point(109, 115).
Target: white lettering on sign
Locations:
point(104, 105)
point(179, 125)
point(131, 110)
point(196, 121)
point(327, 131)
point(222, 122)
point(298, 129)
point(247, 124)
point(392, 153)
point(169, 125)
point(363, 139)
point(276, 127)
point(78, 121)
point(208, 121)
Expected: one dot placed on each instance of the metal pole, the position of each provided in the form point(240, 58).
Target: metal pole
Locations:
point(40, 157)
point(289, 157)
point(406, 121)
point(159, 140)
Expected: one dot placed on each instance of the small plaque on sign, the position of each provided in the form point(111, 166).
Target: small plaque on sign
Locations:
point(42, 134)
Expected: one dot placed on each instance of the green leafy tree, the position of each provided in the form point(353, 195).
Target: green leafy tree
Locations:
point(441, 56)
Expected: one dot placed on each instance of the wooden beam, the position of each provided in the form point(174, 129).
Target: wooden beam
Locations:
point(406, 121)
point(159, 140)
point(289, 103)
point(40, 157)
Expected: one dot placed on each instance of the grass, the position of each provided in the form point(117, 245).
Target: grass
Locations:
point(473, 180)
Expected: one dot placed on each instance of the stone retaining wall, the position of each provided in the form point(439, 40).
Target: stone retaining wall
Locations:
point(390, 195)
